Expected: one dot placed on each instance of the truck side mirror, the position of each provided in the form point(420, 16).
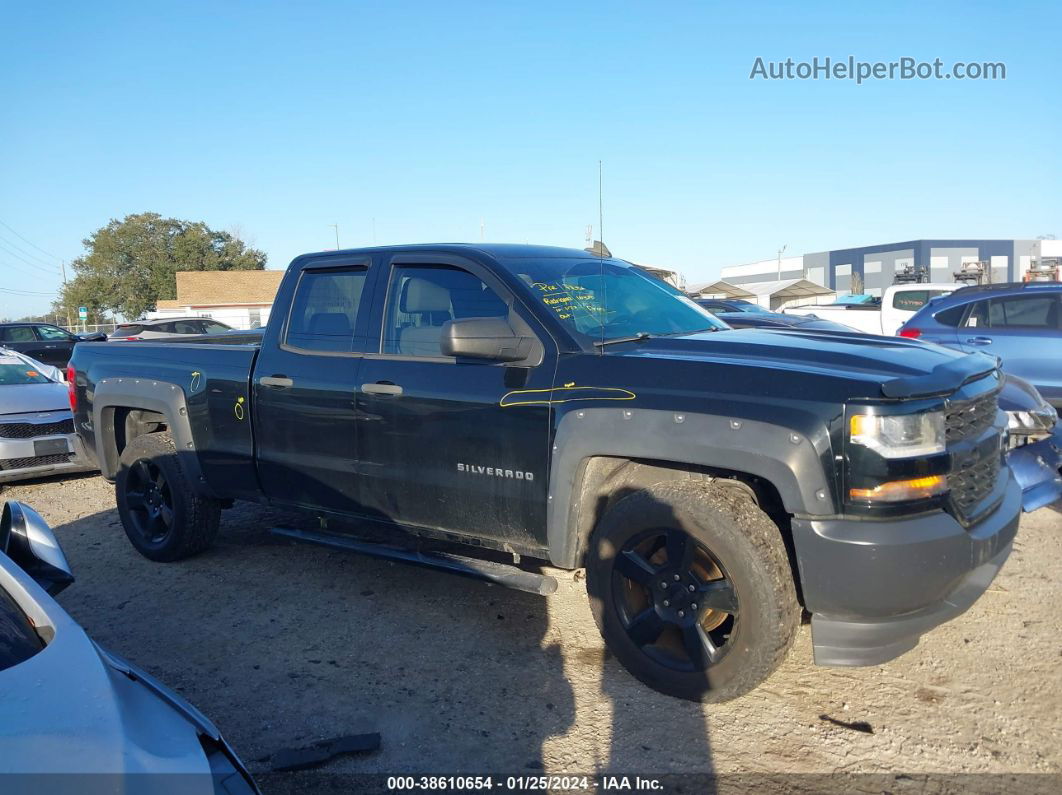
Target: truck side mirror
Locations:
point(26, 538)
point(489, 338)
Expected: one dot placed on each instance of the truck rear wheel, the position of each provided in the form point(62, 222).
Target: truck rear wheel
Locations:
point(691, 588)
point(162, 515)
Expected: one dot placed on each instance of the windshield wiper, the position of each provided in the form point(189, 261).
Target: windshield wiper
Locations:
point(697, 331)
point(639, 337)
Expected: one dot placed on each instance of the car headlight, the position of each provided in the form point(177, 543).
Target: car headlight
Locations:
point(899, 436)
point(1040, 420)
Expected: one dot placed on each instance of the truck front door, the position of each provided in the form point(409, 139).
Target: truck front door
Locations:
point(304, 387)
point(440, 444)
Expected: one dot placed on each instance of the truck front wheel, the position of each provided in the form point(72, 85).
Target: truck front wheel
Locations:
point(162, 515)
point(691, 588)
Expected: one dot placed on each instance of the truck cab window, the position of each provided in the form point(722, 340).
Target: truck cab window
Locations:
point(423, 297)
point(324, 310)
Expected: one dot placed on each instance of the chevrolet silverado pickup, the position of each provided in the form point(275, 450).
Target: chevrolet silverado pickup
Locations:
point(551, 404)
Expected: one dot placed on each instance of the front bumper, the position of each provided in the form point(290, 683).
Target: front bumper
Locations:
point(1036, 467)
point(874, 587)
point(32, 466)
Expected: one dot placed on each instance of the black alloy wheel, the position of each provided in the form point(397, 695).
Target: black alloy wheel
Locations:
point(150, 501)
point(675, 600)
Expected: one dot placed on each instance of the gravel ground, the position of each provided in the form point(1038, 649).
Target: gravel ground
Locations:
point(282, 645)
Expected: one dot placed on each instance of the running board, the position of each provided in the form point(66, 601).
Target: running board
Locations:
point(500, 573)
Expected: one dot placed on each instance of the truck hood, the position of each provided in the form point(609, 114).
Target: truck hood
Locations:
point(896, 367)
point(27, 398)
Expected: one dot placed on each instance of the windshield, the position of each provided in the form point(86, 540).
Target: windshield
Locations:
point(606, 299)
point(752, 309)
point(15, 371)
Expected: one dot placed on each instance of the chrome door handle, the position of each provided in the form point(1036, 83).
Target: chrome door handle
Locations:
point(979, 340)
point(382, 388)
point(276, 381)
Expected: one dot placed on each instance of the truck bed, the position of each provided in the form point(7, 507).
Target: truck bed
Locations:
point(213, 373)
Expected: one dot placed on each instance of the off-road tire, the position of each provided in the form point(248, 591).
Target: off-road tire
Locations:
point(194, 518)
point(747, 545)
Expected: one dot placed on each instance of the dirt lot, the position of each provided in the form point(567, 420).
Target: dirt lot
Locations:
point(283, 645)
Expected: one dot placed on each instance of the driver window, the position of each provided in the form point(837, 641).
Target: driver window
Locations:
point(422, 298)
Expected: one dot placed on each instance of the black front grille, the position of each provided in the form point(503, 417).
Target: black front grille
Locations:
point(34, 461)
point(971, 418)
point(27, 430)
point(972, 483)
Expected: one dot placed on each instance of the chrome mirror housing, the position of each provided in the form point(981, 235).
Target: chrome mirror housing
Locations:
point(28, 540)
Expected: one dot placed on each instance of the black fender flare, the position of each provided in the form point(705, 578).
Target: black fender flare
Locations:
point(789, 458)
point(147, 394)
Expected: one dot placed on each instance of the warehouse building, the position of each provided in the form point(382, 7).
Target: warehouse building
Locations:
point(876, 266)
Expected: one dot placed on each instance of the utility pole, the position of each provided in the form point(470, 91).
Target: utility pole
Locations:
point(336, 227)
point(783, 248)
point(62, 264)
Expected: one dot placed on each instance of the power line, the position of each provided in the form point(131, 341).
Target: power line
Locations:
point(22, 270)
point(15, 291)
point(17, 256)
point(12, 244)
point(20, 237)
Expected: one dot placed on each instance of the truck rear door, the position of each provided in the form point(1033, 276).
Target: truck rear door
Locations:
point(305, 385)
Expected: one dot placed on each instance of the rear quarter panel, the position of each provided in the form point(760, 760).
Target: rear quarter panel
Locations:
point(213, 384)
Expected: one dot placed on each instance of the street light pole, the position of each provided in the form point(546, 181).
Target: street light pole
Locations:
point(783, 248)
point(336, 227)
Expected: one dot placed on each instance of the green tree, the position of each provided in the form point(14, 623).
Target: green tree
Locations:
point(131, 264)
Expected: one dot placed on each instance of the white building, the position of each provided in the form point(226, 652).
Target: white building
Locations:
point(870, 269)
point(773, 295)
point(242, 299)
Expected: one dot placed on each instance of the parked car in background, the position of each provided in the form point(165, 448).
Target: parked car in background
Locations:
point(898, 303)
point(744, 314)
point(75, 712)
point(167, 327)
point(36, 427)
point(1020, 322)
point(43, 341)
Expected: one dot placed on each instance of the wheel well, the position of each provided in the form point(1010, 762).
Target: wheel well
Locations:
point(604, 480)
point(124, 424)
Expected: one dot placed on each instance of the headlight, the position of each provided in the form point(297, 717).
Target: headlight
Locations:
point(1041, 420)
point(899, 436)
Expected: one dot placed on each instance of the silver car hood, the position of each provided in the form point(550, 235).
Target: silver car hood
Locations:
point(74, 708)
point(26, 398)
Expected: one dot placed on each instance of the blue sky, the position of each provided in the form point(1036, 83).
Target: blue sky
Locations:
point(281, 119)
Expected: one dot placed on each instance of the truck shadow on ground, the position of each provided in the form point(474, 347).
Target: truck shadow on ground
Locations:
point(283, 644)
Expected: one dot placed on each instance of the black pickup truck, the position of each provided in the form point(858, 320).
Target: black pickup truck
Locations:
point(546, 403)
